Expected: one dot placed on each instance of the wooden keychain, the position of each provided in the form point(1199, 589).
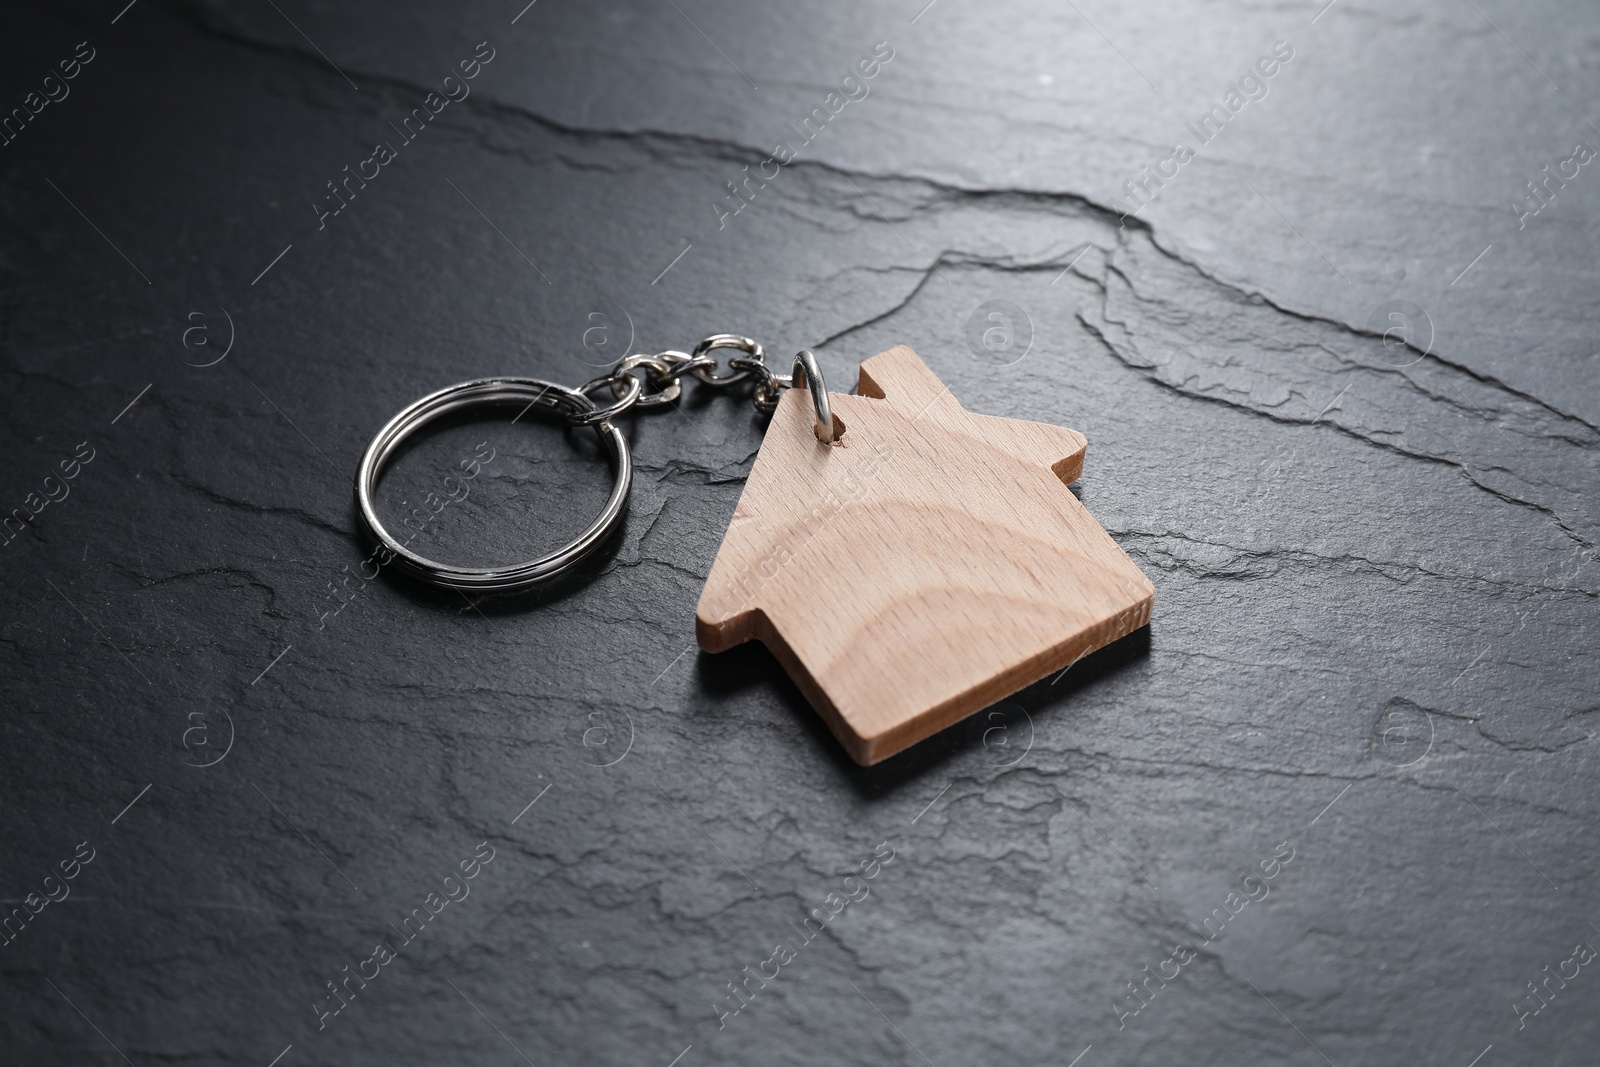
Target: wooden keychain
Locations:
point(908, 562)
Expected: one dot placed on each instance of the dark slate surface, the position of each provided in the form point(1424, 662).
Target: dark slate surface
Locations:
point(1340, 393)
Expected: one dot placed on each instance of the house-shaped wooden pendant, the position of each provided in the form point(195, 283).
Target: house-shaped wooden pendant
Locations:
point(927, 563)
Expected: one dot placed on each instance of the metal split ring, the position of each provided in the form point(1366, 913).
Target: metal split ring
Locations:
point(663, 373)
point(528, 393)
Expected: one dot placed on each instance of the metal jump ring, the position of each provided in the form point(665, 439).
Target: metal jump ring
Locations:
point(528, 392)
point(805, 366)
point(631, 388)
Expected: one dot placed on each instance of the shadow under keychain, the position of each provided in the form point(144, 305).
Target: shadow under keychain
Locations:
point(907, 561)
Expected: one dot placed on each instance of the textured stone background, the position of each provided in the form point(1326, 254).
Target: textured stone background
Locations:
point(1375, 627)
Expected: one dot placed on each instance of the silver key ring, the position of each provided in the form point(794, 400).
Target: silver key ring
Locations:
point(663, 374)
point(531, 393)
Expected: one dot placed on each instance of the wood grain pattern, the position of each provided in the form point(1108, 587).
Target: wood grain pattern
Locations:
point(928, 563)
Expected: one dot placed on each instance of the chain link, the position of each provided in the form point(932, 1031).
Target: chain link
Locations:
point(662, 382)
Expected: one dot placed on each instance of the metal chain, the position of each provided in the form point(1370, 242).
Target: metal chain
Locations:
point(662, 382)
